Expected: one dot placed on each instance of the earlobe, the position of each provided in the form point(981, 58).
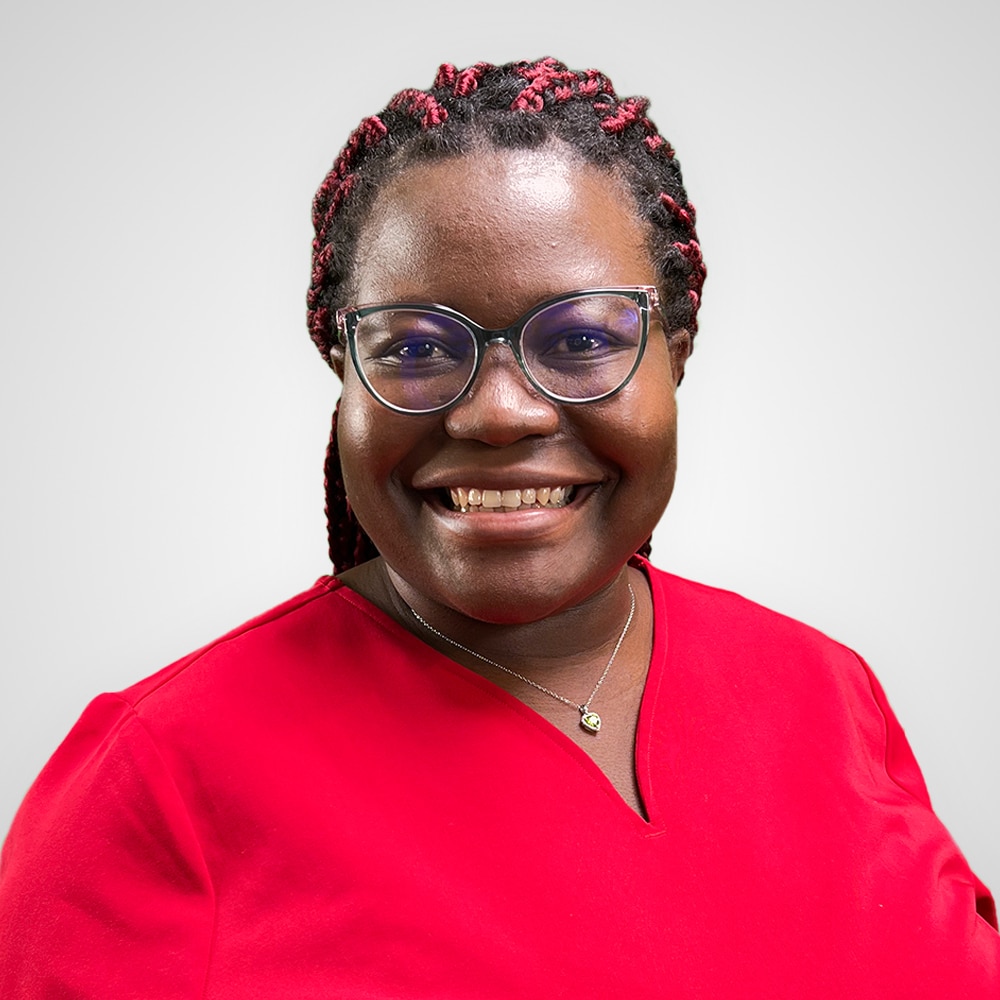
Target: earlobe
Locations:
point(680, 350)
point(337, 360)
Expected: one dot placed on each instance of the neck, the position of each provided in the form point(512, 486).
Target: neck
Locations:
point(565, 642)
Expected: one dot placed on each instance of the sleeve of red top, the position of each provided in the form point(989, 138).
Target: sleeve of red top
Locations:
point(902, 767)
point(103, 888)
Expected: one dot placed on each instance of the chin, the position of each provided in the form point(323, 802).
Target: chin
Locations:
point(510, 587)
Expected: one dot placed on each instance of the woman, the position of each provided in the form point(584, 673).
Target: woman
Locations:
point(499, 754)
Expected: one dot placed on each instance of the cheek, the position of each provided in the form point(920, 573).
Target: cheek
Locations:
point(653, 466)
point(645, 423)
point(638, 441)
point(364, 460)
point(376, 449)
point(651, 457)
point(639, 436)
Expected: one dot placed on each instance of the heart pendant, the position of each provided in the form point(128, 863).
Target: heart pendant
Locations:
point(591, 721)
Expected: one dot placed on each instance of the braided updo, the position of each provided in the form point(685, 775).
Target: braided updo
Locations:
point(517, 105)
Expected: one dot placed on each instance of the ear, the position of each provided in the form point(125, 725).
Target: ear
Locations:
point(680, 345)
point(337, 359)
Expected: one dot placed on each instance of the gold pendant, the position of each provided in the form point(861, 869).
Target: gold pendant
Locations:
point(591, 721)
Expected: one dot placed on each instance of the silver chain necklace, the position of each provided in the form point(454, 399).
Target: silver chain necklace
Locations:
point(590, 721)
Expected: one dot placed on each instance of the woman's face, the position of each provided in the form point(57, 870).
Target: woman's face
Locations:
point(492, 234)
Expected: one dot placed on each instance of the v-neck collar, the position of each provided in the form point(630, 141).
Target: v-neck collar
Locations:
point(651, 825)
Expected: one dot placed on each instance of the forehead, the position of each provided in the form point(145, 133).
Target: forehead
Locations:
point(496, 231)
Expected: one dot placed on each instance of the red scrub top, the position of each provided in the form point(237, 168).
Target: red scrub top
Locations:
point(320, 805)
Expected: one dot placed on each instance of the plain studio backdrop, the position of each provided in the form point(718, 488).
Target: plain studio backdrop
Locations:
point(165, 414)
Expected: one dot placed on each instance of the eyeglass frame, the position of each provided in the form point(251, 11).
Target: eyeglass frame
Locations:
point(645, 297)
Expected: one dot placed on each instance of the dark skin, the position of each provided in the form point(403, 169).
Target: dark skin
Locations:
point(542, 592)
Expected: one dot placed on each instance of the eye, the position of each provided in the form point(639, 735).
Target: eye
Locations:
point(418, 348)
point(587, 329)
point(580, 342)
point(412, 341)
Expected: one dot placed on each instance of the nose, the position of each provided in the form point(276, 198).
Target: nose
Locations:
point(502, 406)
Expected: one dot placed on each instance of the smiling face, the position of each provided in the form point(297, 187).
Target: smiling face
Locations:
point(491, 234)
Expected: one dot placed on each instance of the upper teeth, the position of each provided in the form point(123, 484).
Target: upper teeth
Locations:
point(471, 499)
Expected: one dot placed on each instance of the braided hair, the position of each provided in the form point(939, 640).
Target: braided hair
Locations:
point(514, 106)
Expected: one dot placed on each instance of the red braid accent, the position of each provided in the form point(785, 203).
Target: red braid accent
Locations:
point(468, 80)
point(528, 100)
point(318, 319)
point(335, 188)
point(541, 76)
point(631, 110)
point(446, 75)
point(349, 545)
point(594, 83)
point(372, 130)
point(414, 102)
point(338, 182)
point(462, 82)
point(691, 252)
point(319, 322)
point(656, 142)
point(369, 133)
point(677, 212)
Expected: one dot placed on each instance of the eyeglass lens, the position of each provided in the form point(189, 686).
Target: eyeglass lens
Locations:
point(574, 349)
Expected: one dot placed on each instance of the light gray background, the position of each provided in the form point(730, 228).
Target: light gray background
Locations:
point(165, 415)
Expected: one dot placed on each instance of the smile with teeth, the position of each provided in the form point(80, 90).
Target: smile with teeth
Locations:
point(471, 500)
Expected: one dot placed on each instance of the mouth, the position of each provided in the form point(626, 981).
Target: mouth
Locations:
point(471, 500)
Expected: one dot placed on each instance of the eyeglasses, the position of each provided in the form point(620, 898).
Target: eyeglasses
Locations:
point(579, 347)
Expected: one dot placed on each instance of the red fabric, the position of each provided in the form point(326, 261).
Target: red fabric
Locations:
point(319, 805)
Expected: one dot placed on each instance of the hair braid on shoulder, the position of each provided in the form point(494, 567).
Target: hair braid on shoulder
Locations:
point(521, 104)
point(349, 544)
